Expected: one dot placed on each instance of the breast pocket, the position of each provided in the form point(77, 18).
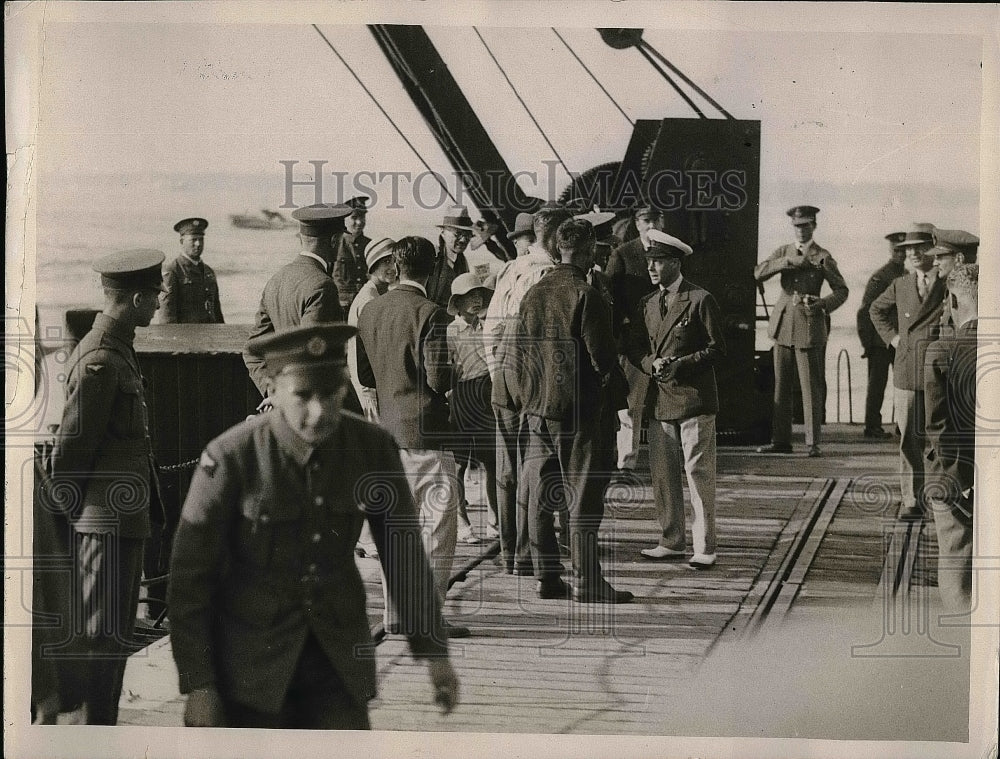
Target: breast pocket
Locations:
point(268, 532)
point(128, 416)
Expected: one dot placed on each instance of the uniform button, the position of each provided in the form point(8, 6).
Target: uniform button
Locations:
point(265, 518)
point(318, 500)
point(316, 537)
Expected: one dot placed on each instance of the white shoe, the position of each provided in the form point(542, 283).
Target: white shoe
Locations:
point(659, 553)
point(492, 533)
point(702, 561)
point(466, 535)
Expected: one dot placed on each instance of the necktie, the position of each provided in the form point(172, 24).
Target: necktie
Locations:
point(664, 303)
point(921, 285)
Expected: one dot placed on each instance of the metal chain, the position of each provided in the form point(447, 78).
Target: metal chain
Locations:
point(179, 467)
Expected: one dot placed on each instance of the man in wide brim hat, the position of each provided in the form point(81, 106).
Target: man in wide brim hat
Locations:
point(456, 233)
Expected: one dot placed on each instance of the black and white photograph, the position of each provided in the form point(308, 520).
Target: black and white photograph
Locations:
point(501, 379)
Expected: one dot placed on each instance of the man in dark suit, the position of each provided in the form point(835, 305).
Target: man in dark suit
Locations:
point(950, 406)
point(906, 316)
point(627, 270)
point(878, 354)
point(104, 479)
point(349, 270)
point(678, 342)
point(403, 353)
point(190, 287)
point(456, 233)
point(268, 607)
point(559, 355)
point(302, 291)
point(799, 326)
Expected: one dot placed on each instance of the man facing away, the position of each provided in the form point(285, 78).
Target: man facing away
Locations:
point(876, 352)
point(516, 278)
point(103, 457)
point(799, 326)
point(678, 342)
point(268, 607)
point(403, 353)
point(301, 291)
point(190, 287)
point(561, 354)
point(950, 406)
point(906, 316)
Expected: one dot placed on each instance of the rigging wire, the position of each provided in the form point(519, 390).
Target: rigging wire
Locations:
point(670, 81)
point(385, 113)
point(643, 45)
point(592, 76)
point(524, 105)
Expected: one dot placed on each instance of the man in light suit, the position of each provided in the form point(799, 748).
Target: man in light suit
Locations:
point(907, 316)
point(268, 607)
point(677, 343)
point(799, 326)
point(629, 284)
point(402, 347)
point(301, 291)
point(950, 405)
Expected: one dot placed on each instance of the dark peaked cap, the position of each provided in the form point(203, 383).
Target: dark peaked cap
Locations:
point(321, 219)
point(303, 347)
point(137, 269)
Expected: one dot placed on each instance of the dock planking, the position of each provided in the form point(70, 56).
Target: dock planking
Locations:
point(534, 666)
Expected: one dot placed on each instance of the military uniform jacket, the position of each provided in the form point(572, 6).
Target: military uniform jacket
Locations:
point(191, 293)
point(300, 292)
point(691, 332)
point(950, 405)
point(264, 556)
point(103, 475)
point(349, 270)
point(561, 351)
point(877, 285)
point(792, 324)
point(403, 353)
point(629, 273)
point(917, 323)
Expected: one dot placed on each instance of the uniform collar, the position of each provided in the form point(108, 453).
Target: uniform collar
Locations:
point(190, 261)
point(114, 328)
point(295, 447)
point(805, 246)
point(674, 287)
point(309, 254)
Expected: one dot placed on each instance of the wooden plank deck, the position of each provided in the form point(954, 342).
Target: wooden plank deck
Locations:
point(534, 666)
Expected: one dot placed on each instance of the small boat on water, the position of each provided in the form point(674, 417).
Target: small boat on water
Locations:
point(266, 219)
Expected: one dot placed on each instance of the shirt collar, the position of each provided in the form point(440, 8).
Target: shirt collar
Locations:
point(674, 287)
point(188, 259)
point(308, 254)
point(463, 326)
point(295, 447)
point(804, 247)
point(411, 283)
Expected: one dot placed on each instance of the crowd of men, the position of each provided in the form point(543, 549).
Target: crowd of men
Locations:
point(542, 361)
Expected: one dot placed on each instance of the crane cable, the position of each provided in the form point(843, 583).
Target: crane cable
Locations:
point(670, 81)
point(592, 76)
point(524, 105)
point(387, 116)
point(646, 49)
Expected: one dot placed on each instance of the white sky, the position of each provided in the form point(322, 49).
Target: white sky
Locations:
point(836, 107)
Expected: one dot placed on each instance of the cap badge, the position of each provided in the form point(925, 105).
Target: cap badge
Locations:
point(316, 346)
